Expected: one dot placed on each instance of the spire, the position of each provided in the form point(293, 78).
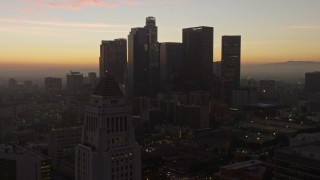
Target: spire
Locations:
point(107, 87)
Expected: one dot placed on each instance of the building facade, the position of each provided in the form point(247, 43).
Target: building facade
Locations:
point(92, 79)
point(113, 58)
point(170, 65)
point(21, 163)
point(230, 65)
point(61, 149)
point(53, 86)
point(312, 85)
point(231, 59)
point(143, 60)
point(108, 149)
point(298, 162)
point(74, 83)
point(197, 57)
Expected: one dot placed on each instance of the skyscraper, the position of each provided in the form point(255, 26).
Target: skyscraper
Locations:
point(198, 57)
point(12, 83)
point(230, 65)
point(143, 60)
point(74, 83)
point(53, 86)
point(108, 149)
point(312, 85)
point(113, 58)
point(170, 65)
point(231, 59)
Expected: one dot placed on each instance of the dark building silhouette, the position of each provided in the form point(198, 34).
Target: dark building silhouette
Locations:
point(74, 83)
point(217, 69)
point(197, 57)
point(312, 84)
point(231, 57)
point(230, 65)
point(92, 79)
point(53, 86)
point(267, 86)
point(20, 163)
point(170, 65)
point(297, 162)
point(143, 60)
point(113, 58)
point(28, 84)
point(12, 83)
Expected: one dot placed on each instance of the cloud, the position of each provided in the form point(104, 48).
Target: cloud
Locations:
point(31, 9)
point(80, 4)
point(73, 6)
point(49, 27)
point(54, 31)
point(59, 23)
point(311, 27)
point(132, 2)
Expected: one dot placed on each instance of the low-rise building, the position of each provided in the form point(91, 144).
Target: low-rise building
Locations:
point(61, 149)
point(298, 162)
point(21, 163)
point(248, 170)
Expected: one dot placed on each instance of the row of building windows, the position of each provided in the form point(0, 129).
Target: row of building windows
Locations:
point(91, 123)
point(118, 140)
point(116, 124)
point(122, 175)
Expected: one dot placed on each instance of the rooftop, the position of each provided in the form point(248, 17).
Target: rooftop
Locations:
point(242, 165)
point(311, 150)
point(19, 150)
point(108, 87)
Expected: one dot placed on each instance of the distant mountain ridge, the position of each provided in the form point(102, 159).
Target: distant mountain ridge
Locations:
point(290, 70)
point(295, 63)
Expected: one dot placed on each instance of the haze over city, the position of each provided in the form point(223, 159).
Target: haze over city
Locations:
point(159, 90)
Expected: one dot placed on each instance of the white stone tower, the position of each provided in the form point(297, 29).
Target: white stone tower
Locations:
point(108, 149)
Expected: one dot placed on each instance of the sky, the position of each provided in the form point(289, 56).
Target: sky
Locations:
point(38, 33)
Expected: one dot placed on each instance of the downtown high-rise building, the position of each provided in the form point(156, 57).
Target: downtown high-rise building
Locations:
point(53, 86)
point(312, 85)
point(231, 59)
point(197, 57)
point(108, 149)
point(74, 83)
point(92, 79)
point(143, 60)
point(230, 65)
point(170, 66)
point(12, 83)
point(113, 58)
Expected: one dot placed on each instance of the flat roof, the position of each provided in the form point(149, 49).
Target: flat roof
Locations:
point(242, 165)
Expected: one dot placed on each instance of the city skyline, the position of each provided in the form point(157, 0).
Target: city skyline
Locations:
point(167, 89)
point(67, 33)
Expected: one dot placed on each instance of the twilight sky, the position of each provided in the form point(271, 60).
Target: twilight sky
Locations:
point(69, 32)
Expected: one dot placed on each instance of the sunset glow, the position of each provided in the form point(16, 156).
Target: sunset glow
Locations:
point(66, 32)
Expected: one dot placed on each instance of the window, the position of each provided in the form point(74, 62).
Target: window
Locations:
point(112, 125)
point(117, 124)
point(125, 124)
point(108, 125)
point(121, 124)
